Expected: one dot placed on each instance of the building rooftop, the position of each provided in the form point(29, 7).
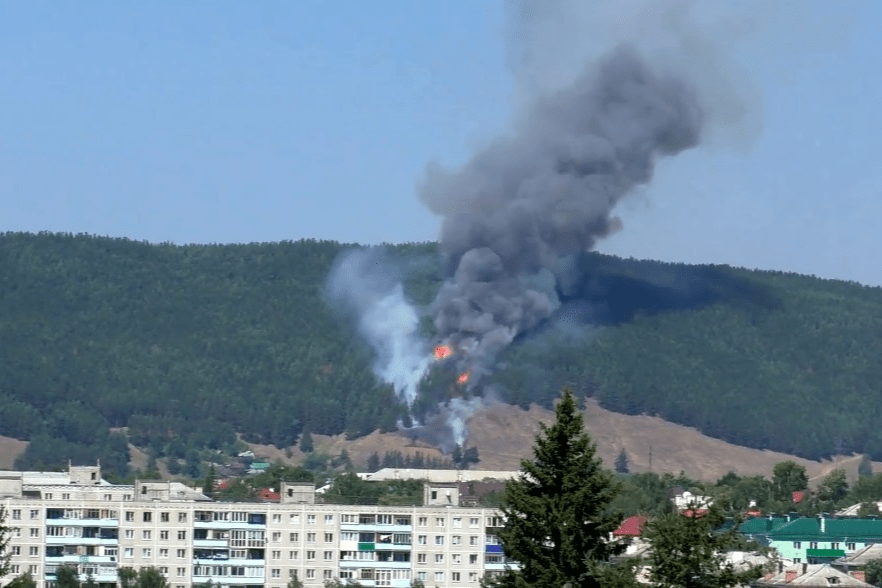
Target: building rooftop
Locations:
point(812, 575)
point(442, 476)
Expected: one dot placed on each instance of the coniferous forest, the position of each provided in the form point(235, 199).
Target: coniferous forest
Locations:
point(180, 348)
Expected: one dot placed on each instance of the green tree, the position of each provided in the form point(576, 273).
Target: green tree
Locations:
point(23, 581)
point(5, 533)
point(208, 484)
point(788, 477)
point(307, 445)
point(622, 463)
point(295, 582)
point(873, 572)
point(127, 577)
point(373, 462)
point(150, 578)
point(67, 576)
point(557, 520)
point(834, 487)
point(690, 552)
point(865, 468)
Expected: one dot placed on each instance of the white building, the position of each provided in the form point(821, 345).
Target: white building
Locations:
point(77, 518)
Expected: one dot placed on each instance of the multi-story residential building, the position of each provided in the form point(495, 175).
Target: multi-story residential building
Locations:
point(77, 518)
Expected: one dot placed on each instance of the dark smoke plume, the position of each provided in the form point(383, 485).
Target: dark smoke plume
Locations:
point(519, 213)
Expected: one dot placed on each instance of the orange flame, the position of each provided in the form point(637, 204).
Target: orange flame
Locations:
point(443, 351)
point(463, 378)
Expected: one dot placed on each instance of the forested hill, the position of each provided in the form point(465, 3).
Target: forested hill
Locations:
point(188, 345)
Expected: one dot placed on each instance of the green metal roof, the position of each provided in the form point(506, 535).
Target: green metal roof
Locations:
point(809, 528)
point(761, 525)
point(824, 552)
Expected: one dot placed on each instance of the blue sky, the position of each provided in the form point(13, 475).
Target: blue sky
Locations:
point(262, 121)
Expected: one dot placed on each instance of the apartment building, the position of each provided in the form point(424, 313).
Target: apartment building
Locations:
point(77, 518)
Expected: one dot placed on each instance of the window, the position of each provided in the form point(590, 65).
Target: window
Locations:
point(277, 518)
point(454, 576)
point(813, 545)
point(294, 537)
point(65, 496)
point(310, 574)
point(163, 517)
point(33, 569)
point(797, 560)
point(328, 574)
point(35, 514)
point(163, 535)
point(277, 555)
point(384, 519)
point(850, 546)
point(130, 533)
point(329, 519)
point(439, 558)
point(182, 535)
point(276, 573)
point(310, 555)
point(148, 516)
point(439, 521)
point(439, 539)
point(473, 576)
point(421, 558)
point(182, 572)
point(35, 532)
point(422, 576)
point(473, 522)
point(182, 517)
point(14, 569)
point(834, 546)
point(423, 521)
point(457, 522)
point(310, 519)
point(329, 537)
point(294, 518)
point(349, 519)
point(182, 553)
point(147, 534)
point(457, 558)
point(16, 550)
point(277, 537)
point(473, 558)
point(145, 553)
point(439, 576)
point(163, 553)
point(456, 539)
point(293, 555)
point(129, 552)
point(797, 545)
point(421, 539)
point(34, 550)
point(329, 556)
point(16, 515)
point(310, 537)
point(348, 536)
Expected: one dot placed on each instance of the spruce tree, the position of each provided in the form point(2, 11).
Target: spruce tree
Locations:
point(622, 463)
point(557, 519)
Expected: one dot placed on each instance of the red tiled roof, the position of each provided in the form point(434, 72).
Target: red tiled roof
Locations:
point(222, 484)
point(267, 494)
point(697, 513)
point(631, 527)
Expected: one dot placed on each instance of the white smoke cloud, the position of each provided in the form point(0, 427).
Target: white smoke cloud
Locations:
point(364, 284)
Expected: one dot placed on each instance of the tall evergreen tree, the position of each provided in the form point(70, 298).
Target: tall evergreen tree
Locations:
point(788, 477)
point(557, 520)
point(622, 462)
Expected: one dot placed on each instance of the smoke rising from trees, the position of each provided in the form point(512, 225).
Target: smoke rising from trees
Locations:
point(519, 213)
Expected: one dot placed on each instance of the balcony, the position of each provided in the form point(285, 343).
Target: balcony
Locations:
point(80, 541)
point(210, 543)
point(77, 559)
point(228, 580)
